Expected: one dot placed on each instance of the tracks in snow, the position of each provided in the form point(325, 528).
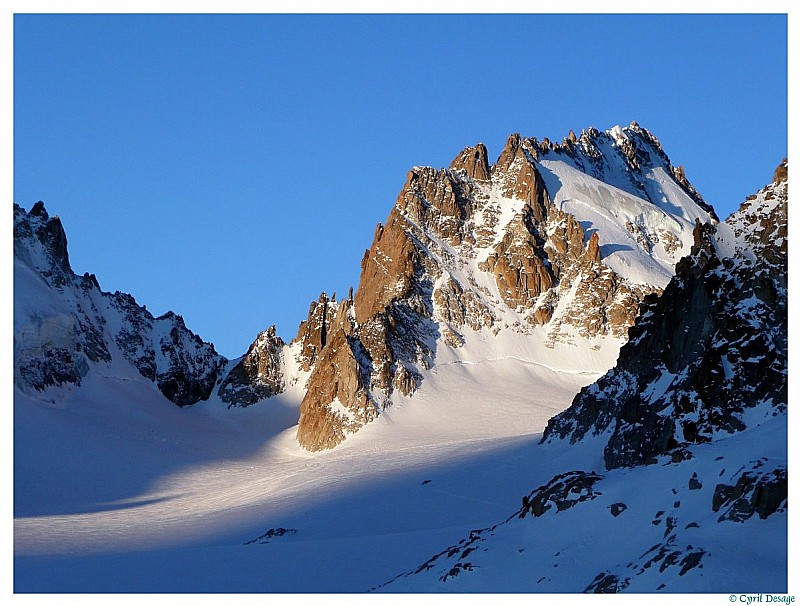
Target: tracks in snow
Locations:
point(586, 373)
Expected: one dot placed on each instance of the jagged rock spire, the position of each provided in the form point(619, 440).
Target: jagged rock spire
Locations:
point(473, 161)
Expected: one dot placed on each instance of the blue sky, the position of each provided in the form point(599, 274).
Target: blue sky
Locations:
point(232, 167)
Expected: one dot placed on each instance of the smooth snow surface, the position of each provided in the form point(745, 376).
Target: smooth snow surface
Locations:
point(119, 490)
point(139, 495)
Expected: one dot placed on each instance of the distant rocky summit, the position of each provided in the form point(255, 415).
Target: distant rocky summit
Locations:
point(64, 324)
point(258, 374)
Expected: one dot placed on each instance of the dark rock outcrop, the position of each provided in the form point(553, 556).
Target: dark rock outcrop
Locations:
point(605, 582)
point(759, 493)
point(562, 492)
point(258, 374)
point(191, 367)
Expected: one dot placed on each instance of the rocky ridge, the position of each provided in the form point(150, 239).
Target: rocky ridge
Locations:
point(711, 347)
point(258, 374)
point(73, 325)
point(477, 248)
point(599, 154)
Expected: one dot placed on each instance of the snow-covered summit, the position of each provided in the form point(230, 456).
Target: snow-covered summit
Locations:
point(621, 184)
point(631, 159)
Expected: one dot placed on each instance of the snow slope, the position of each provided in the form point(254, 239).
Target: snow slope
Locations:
point(151, 497)
point(638, 239)
point(665, 537)
point(139, 495)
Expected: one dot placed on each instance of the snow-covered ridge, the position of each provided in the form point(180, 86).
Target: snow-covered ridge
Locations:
point(621, 184)
point(65, 325)
point(689, 527)
point(631, 159)
point(638, 239)
point(759, 225)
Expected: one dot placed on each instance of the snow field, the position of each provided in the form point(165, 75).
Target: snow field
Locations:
point(133, 482)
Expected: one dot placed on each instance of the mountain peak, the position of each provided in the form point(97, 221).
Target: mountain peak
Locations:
point(563, 241)
point(623, 156)
point(557, 244)
point(50, 255)
point(781, 172)
point(38, 210)
point(473, 160)
point(70, 326)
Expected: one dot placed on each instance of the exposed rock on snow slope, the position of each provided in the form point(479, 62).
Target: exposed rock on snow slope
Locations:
point(64, 325)
point(693, 416)
point(562, 242)
point(710, 349)
point(258, 374)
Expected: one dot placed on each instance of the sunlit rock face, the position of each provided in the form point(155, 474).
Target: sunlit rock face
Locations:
point(479, 247)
